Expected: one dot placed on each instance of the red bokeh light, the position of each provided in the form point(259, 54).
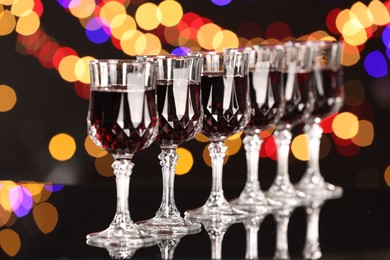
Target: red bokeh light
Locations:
point(61, 53)
point(278, 30)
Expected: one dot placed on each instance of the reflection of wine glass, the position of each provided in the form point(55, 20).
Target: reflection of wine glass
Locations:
point(329, 93)
point(168, 243)
point(265, 85)
point(252, 225)
point(122, 119)
point(180, 118)
point(298, 99)
point(226, 104)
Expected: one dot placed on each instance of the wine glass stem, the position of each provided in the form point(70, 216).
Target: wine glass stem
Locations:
point(252, 144)
point(251, 241)
point(312, 246)
point(217, 151)
point(282, 219)
point(168, 161)
point(314, 132)
point(122, 170)
point(167, 248)
point(283, 140)
point(216, 246)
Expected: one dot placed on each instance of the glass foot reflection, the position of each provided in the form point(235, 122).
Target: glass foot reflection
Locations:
point(172, 225)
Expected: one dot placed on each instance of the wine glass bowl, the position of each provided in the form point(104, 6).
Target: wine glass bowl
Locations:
point(180, 119)
point(122, 119)
point(226, 106)
point(265, 86)
point(329, 94)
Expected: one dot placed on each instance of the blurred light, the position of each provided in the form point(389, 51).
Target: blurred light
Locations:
point(103, 165)
point(4, 194)
point(129, 41)
point(185, 161)
point(327, 122)
point(61, 53)
point(10, 241)
point(7, 22)
point(46, 54)
point(92, 149)
point(82, 8)
point(379, 12)
point(201, 138)
point(342, 17)
point(121, 24)
point(354, 33)
point(207, 159)
point(22, 7)
point(345, 125)
point(110, 10)
point(376, 64)
point(360, 10)
point(365, 136)
point(46, 217)
point(354, 93)
point(386, 37)
point(97, 32)
point(21, 201)
point(38, 7)
point(171, 12)
point(147, 16)
point(82, 90)
point(233, 145)
point(367, 179)
point(148, 44)
point(235, 136)
point(325, 146)
point(249, 29)
point(299, 147)
point(62, 147)
point(331, 20)
point(28, 24)
point(221, 2)
point(82, 69)
point(7, 98)
point(350, 55)
point(386, 175)
point(268, 148)
point(53, 187)
point(64, 3)
point(67, 66)
point(5, 216)
point(224, 39)
point(278, 30)
point(348, 148)
point(267, 132)
point(7, 2)
point(206, 35)
point(180, 51)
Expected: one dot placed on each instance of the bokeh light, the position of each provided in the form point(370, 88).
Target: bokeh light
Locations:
point(171, 12)
point(376, 64)
point(103, 165)
point(7, 22)
point(345, 125)
point(28, 24)
point(7, 98)
point(221, 2)
point(97, 31)
point(147, 16)
point(45, 217)
point(62, 147)
point(365, 135)
point(299, 147)
point(10, 241)
point(92, 149)
point(185, 161)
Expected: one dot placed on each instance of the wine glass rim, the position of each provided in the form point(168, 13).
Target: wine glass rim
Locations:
point(119, 61)
point(167, 57)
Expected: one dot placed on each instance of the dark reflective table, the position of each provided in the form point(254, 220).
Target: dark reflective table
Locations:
point(355, 226)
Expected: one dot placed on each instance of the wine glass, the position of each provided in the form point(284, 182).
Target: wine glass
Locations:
point(226, 106)
point(123, 120)
point(329, 94)
point(180, 119)
point(252, 226)
point(265, 86)
point(298, 102)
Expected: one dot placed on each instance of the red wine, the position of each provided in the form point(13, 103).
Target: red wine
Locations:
point(179, 111)
point(328, 92)
point(266, 99)
point(225, 103)
point(298, 97)
point(123, 122)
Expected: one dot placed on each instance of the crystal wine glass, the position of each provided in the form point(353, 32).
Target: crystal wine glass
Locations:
point(265, 86)
point(123, 120)
point(226, 106)
point(298, 99)
point(329, 94)
point(180, 119)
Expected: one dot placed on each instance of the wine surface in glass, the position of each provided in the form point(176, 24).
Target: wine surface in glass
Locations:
point(225, 104)
point(179, 110)
point(328, 92)
point(122, 121)
point(266, 99)
point(297, 97)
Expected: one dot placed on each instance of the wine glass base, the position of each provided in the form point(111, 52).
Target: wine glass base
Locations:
point(215, 214)
point(281, 198)
point(119, 237)
point(174, 226)
point(252, 206)
point(324, 190)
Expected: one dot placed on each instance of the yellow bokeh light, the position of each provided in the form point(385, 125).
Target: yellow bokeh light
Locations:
point(146, 16)
point(37, 190)
point(10, 242)
point(5, 216)
point(92, 149)
point(148, 44)
point(171, 12)
point(7, 2)
point(122, 24)
point(112, 9)
point(379, 13)
point(225, 39)
point(345, 125)
point(129, 40)
point(4, 194)
point(103, 165)
point(28, 24)
point(22, 7)
point(342, 18)
point(235, 136)
point(82, 69)
point(354, 33)
point(7, 98)
point(201, 138)
point(185, 161)
point(350, 55)
point(387, 175)
point(62, 147)
point(45, 217)
point(299, 147)
point(206, 34)
point(207, 159)
point(267, 132)
point(233, 145)
point(82, 9)
point(67, 68)
point(365, 136)
point(7, 22)
point(361, 11)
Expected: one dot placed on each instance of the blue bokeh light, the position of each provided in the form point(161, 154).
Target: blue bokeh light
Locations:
point(97, 32)
point(54, 187)
point(376, 64)
point(386, 37)
point(64, 3)
point(221, 2)
point(180, 51)
point(21, 201)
